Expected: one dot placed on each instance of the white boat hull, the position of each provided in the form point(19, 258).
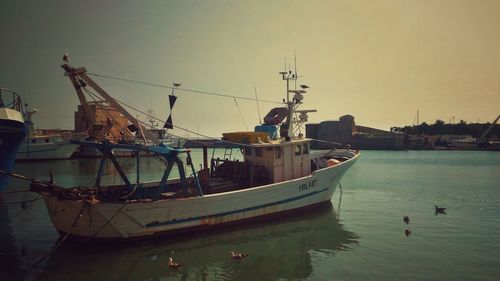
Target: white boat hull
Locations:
point(54, 149)
point(146, 219)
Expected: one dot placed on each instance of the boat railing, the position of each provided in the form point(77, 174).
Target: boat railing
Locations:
point(10, 99)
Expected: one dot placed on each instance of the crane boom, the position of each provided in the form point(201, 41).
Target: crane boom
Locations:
point(483, 136)
point(78, 77)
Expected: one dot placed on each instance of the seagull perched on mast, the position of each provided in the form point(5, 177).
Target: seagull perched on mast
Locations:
point(66, 58)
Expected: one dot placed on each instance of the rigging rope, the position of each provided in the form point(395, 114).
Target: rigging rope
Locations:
point(179, 89)
point(195, 91)
point(108, 116)
point(180, 128)
point(241, 114)
point(24, 206)
point(60, 241)
point(205, 136)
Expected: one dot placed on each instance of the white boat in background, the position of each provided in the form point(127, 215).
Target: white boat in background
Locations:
point(44, 146)
point(277, 176)
point(161, 135)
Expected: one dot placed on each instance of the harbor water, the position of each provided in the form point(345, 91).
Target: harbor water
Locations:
point(359, 236)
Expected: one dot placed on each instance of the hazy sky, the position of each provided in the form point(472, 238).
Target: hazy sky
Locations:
point(377, 60)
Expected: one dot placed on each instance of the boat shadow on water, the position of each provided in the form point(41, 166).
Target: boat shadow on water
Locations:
point(282, 248)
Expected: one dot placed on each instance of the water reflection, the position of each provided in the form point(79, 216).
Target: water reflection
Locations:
point(277, 249)
point(10, 264)
point(285, 248)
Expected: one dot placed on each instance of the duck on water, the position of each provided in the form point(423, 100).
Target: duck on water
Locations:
point(277, 176)
point(440, 210)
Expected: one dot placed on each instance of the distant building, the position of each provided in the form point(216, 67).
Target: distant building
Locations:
point(346, 132)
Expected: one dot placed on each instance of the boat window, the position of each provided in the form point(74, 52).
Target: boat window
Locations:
point(248, 151)
point(298, 149)
point(46, 140)
point(258, 151)
point(33, 141)
point(306, 148)
point(277, 152)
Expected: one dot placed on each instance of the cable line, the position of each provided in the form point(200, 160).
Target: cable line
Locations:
point(180, 128)
point(180, 89)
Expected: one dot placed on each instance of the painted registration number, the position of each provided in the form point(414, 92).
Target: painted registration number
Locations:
point(306, 186)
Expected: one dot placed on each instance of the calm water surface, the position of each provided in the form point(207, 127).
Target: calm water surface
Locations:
point(361, 236)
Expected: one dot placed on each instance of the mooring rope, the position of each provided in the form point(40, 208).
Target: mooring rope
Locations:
point(61, 240)
point(24, 206)
point(105, 224)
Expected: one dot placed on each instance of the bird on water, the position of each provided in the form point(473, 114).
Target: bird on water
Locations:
point(238, 256)
point(406, 219)
point(440, 210)
point(173, 264)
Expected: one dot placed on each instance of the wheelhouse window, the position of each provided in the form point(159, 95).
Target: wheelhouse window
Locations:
point(33, 141)
point(258, 151)
point(298, 149)
point(248, 151)
point(277, 152)
point(305, 147)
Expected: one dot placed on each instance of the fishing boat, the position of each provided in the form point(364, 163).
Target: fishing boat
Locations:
point(12, 130)
point(38, 146)
point(278, 175)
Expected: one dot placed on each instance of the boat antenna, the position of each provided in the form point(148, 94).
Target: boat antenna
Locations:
point(295, 62)
point(257, 100)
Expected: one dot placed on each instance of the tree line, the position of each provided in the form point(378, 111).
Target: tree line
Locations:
point(441, 128)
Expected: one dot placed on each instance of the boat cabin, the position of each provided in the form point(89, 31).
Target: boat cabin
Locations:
point(283, 160)
point(264, 161)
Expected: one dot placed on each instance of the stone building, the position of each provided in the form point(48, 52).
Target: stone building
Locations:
point(345, 131)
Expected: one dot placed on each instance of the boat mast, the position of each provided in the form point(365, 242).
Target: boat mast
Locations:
point(294, 103)
point(287, 76)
